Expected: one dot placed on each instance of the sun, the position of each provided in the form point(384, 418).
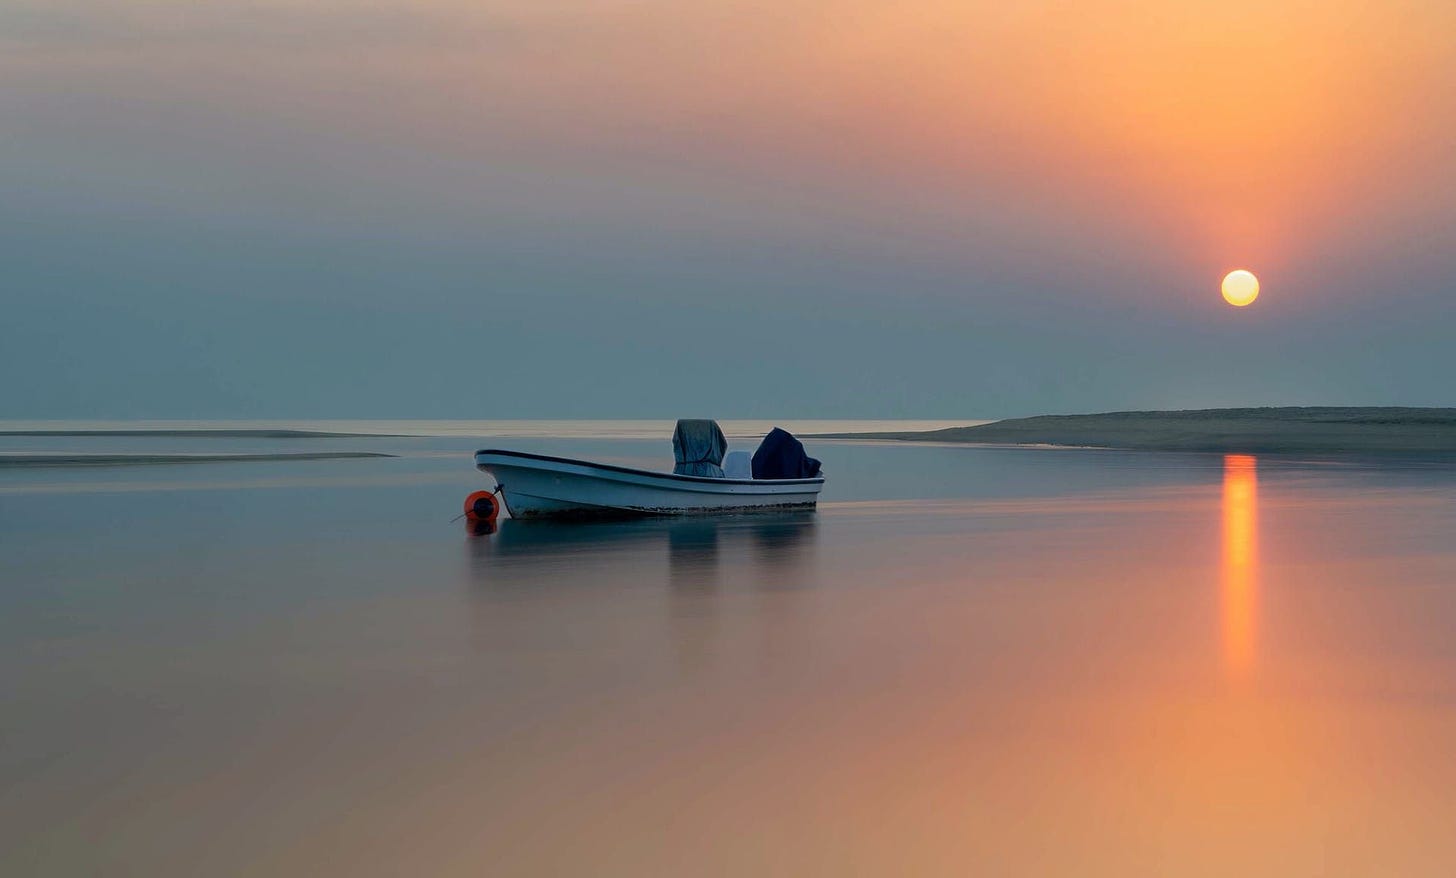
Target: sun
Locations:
point(1240, 288)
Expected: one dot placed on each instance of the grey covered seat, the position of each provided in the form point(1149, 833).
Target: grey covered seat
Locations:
point(738, 465)
point(698, 446)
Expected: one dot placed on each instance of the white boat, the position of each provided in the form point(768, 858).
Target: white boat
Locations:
point(537, 486)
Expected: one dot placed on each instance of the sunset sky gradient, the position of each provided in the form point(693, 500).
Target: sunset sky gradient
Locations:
point(547, 208)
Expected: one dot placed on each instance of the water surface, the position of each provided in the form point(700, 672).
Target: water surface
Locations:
point(969, 660)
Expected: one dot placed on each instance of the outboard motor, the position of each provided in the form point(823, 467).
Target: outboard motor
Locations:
point(781, 456)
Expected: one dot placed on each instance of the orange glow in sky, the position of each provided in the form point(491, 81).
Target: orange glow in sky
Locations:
point(1228, 130)
point(1212, 131)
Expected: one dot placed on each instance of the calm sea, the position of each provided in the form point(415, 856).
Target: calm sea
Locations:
point(998, 661)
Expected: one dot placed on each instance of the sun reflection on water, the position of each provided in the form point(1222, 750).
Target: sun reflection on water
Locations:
point(1240, 569)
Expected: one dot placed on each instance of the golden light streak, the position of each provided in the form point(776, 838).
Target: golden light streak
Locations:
point(1240, 579)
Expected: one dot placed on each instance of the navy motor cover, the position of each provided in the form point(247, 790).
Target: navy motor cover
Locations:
point(781, 456)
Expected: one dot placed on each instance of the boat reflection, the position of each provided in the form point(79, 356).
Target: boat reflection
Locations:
point(692, 556)
point(701, 574)
point(1240, 563)
point(519, 553)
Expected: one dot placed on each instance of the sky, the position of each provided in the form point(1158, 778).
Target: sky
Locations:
point(651, 208)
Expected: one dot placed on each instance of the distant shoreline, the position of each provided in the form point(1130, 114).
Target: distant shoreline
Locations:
point(27, 459)
point(1290, 430)
point(206, 434)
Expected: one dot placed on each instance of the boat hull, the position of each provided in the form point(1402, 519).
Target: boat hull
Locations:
point(537, 486)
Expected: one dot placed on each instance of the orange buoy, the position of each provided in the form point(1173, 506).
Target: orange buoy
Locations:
point(482, 506)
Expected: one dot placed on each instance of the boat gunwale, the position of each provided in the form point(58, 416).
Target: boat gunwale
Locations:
point(546, 458)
